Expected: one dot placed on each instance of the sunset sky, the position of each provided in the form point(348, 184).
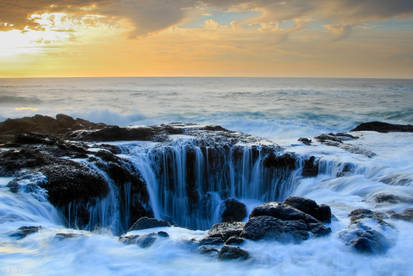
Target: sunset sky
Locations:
point(314, 38)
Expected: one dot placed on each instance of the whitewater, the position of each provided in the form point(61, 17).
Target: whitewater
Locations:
point(277, 110)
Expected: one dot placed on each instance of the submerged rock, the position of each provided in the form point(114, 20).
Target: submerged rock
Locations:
point(24, 231)
point(305, 141)
point(310, 168)
point(128, 239)
point(383, 127)
point(234, 211)
point(406, 215)
point(145, 223)
point(146, 240)
point(365, 239)
point(228, 252)
point(208, 250)
point(63, 236)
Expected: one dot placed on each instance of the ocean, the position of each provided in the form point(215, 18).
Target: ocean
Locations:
point(280, 110)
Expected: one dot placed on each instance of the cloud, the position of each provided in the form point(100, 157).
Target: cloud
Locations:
point(149, 16)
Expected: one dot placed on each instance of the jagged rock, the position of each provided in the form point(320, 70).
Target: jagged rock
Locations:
point(208, 250)
point(358, 215)
point(281, 211)
point(270, 227)
point(24, 231)
point(305, 141)
point(364, 239)
point(145, 223)
point(284, 161)
point(383, 127)
point(224, 230)
point(234, 240)
point(234, 211)
point(308, 206)
point(228, 252)
point(310, 167)
point(12, 161)
point(406, 215)
point(146, 240)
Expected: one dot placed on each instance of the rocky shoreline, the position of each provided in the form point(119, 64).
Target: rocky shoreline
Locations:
point(45, 153)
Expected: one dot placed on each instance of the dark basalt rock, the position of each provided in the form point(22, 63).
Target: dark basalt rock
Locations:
point(406, 215)
point(282, 212)
point(24, 231)
point(234, 211)
point(208, 250)
point(310, 168)
point(211, 241)
point(234, 240)
point(163, 234)
point(308, 206)
point(305, 141)
point(383, 127)
point(63, 236)
point(114, 133)
point(145, 223)
point(40, 124)
point(146, 240)
point(228, 252)
point(270, 227)
point(224, 230)
point(284, 161)
point(364, 239)
point(358, 215)
point(12, 161)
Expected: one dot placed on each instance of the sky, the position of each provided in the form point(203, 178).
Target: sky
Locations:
point(268, 38)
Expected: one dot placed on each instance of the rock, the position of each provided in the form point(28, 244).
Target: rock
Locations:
point(387, 198)
point(163, 234)
point(208, 250)
point(383, 127)
point(115, 133)
point(234, 211)
point(12, 161)
point(24, 231)
point(406, 215)
point(228, 252)
point(270, 227)
point(224, 230)
point(308, 206)
point(145, 223)
point(211, 241)
point(310, 167)
point(365, 239)
point(358, 215)
point(328, 138)
point(283, 161)
point(146, 240)
point(129, 239)
point(305, 141)
point(281, 211)
point(62, 236)
point(234, 240)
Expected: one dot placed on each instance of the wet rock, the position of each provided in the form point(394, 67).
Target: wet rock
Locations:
point(308, 206)
point(310, 168)
point(224, 230)
point(387, 198)
point(145, 223)
point(24, 231)
point(208, 250)
point(406, 215)
point(383, 127)
point(346, 170)
point(234, 240)
point(283, 161)
point(63, 236)
point(12, 161)
point(358, 215)
point(129, 239)
point(365, 239)
point(323, 138)
point(273, 228)
point(282, 212)
point(114, 133)
point(163, 234)
point(234, 211)
point(211, 241)
point(228, 252)
point(305, 141)
point(146, 240)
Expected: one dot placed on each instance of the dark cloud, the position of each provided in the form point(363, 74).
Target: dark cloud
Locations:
point(154, 15)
